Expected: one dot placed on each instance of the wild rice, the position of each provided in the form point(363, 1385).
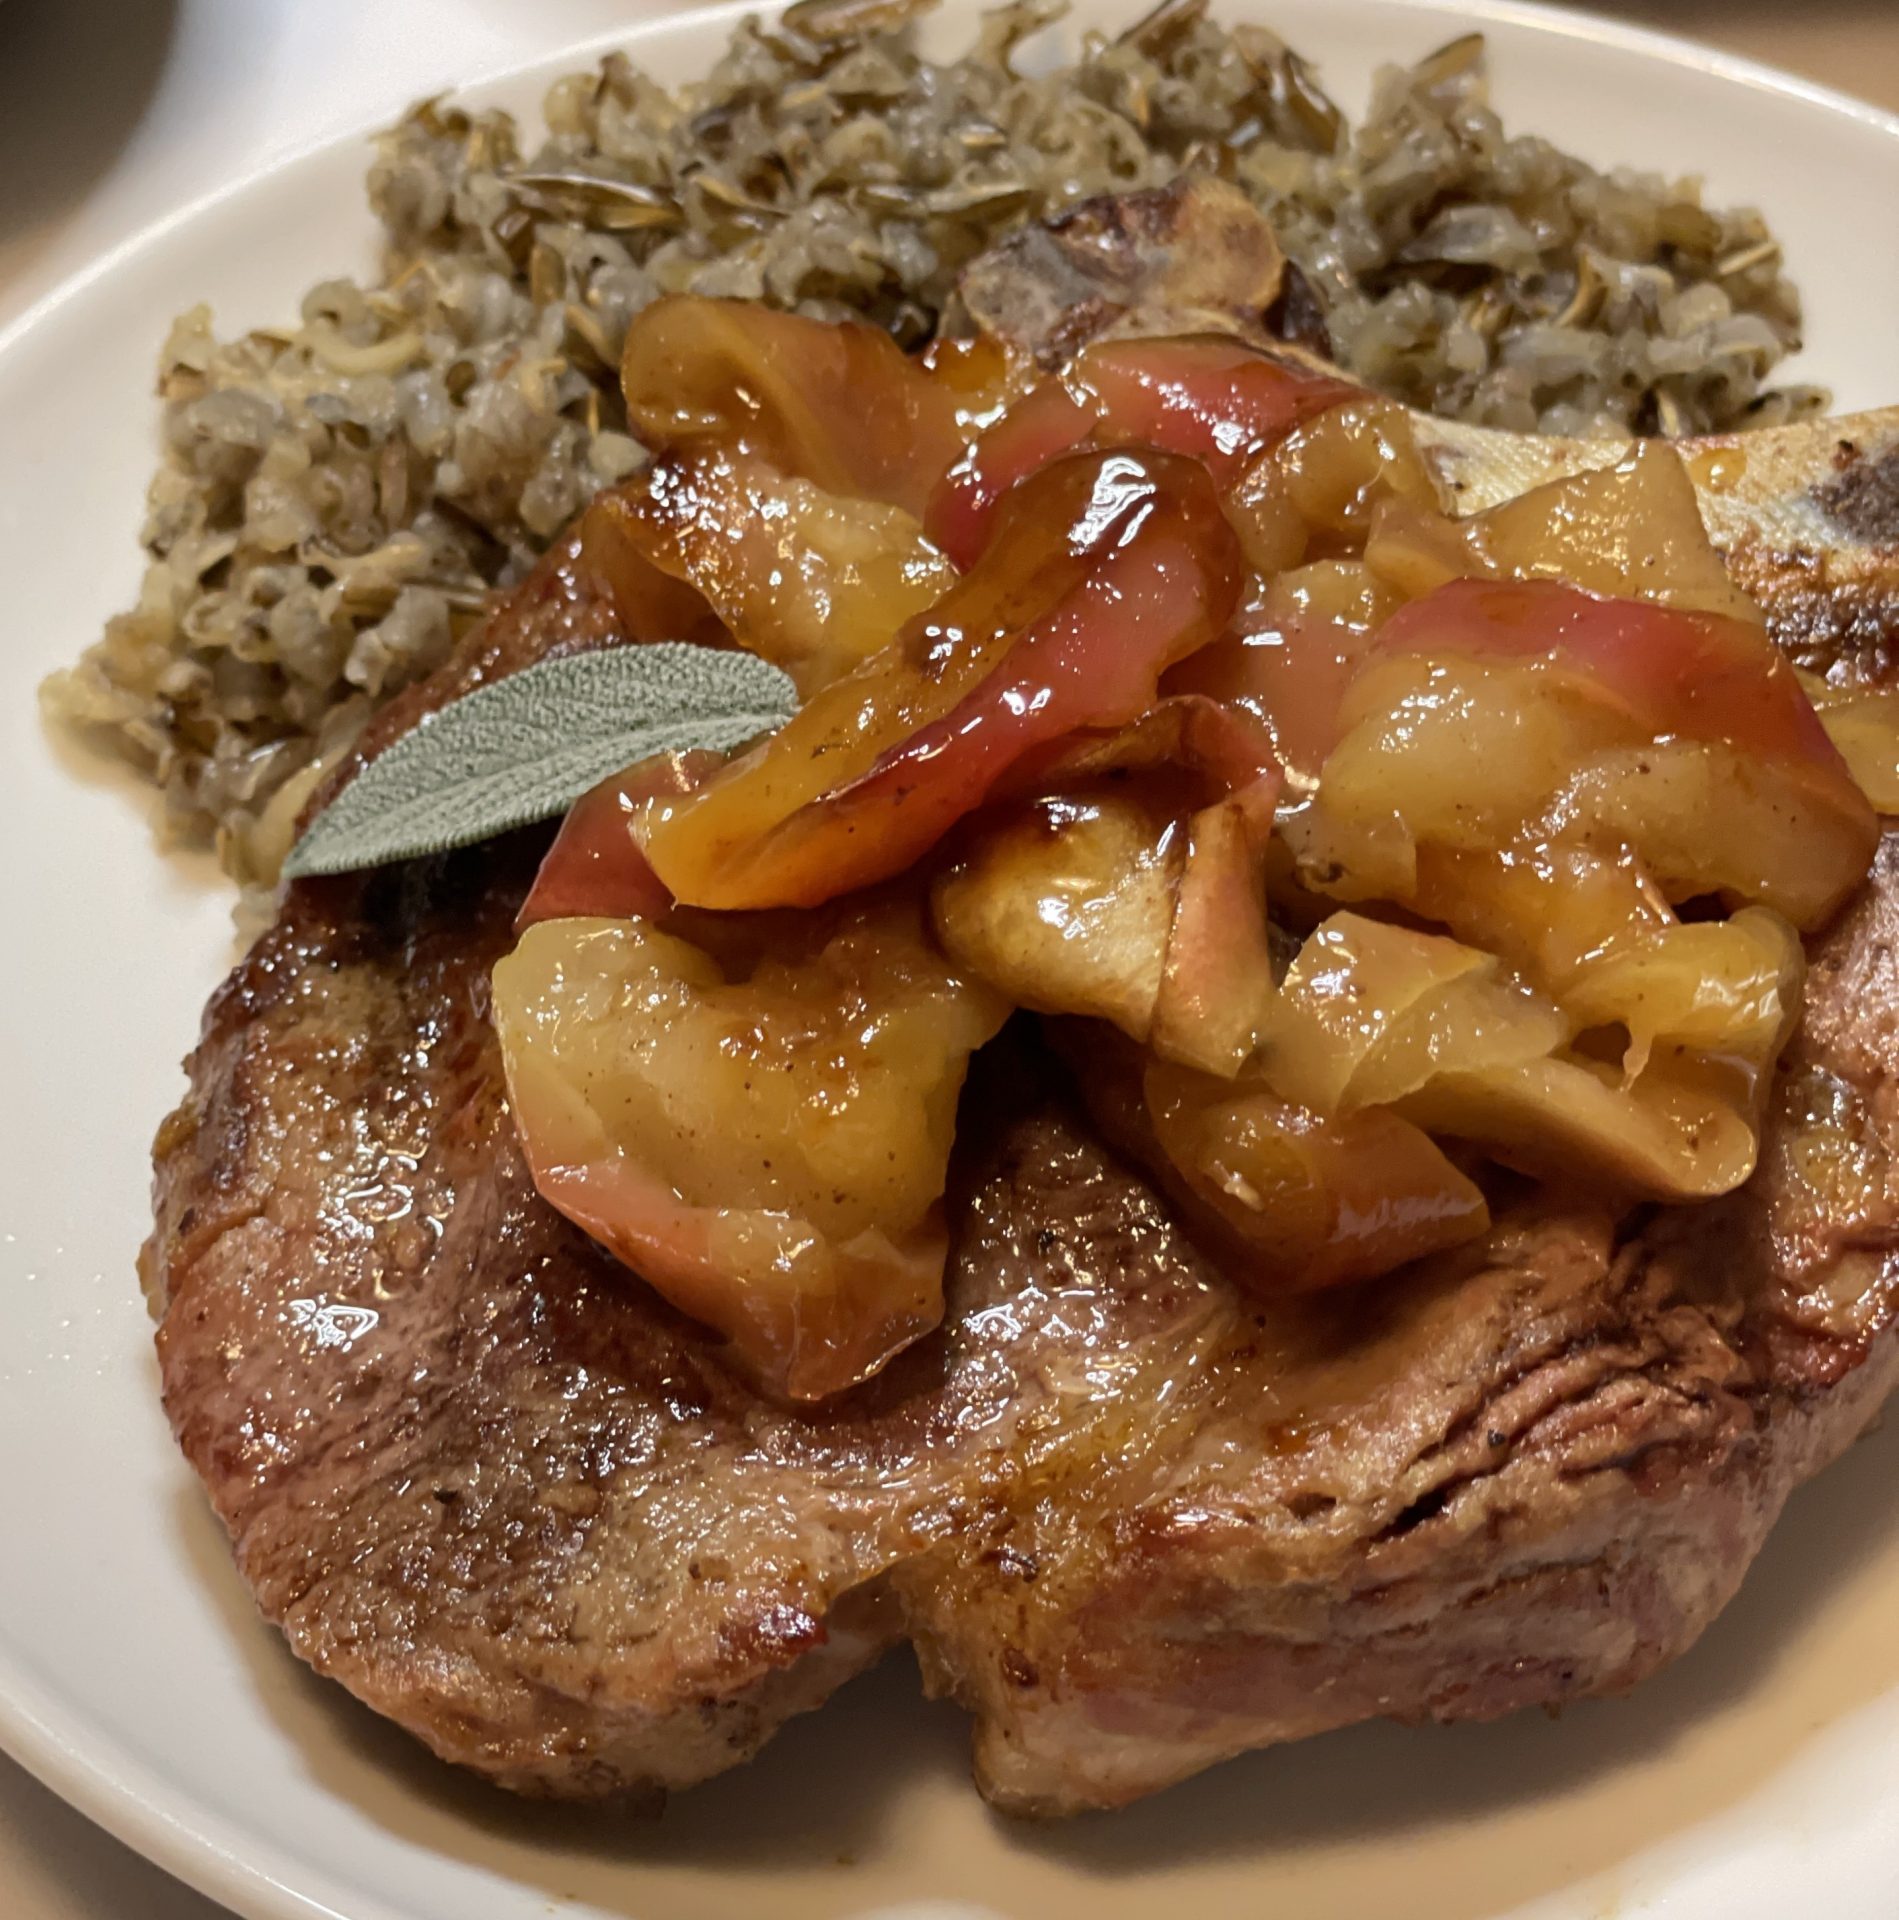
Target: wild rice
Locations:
point(336, 497)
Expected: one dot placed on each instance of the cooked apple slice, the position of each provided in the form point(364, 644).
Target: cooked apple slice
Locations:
point(1217, 984)
point(1318, 489)
point(1699, 676)
point(1369, 1012)
point(763, 1140)
point(812, 581)
point(1213, 399)
point(595, 868)
point(1292, 656)
point(1632, 530)
point(1677, 1133)
point(648, 603)
point(1462, 752)
point(1494, 714)
point(1040, 427)
point(1169, 869)
point(1707, 819)
point(1106, 568)
point(1305, 1202)
point(1727, 990)
point(837, 403)
point(1545, 909)
point(1065, 904)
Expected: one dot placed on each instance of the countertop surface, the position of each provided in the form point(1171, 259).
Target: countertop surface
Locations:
point(112, 116)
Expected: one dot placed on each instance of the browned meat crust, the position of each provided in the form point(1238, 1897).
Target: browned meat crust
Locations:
point(1191, 257)
point(481, 1476)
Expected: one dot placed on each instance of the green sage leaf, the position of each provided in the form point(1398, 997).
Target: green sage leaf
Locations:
point(527, 747)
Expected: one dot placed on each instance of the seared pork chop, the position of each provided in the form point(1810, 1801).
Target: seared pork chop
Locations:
point(1135, 1519)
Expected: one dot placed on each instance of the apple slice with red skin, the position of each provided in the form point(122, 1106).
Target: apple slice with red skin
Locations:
point(1106, 568)
point(1697, 676)
point(1214, 400)
point(1695, 687)
point(595, 869)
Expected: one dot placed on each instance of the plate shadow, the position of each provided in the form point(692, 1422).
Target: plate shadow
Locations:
point(75, 79)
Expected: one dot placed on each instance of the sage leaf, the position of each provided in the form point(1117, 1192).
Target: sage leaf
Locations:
point(526, 747)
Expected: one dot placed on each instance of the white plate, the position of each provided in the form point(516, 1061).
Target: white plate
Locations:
point(1754, 1779)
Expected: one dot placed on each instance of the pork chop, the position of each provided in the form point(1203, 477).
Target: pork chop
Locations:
point(1136, 1520)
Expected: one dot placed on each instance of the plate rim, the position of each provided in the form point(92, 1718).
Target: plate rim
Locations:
point(59, 1745)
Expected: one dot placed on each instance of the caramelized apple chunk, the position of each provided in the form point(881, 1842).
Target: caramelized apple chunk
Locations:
point(1105, 569)
point(765, 1143)
point(1461, 753)
point(649, 603)
point(1317, 490)
point(1370, 1012)
point(1302, 1201)
point(1546, 909)
point(1215, 400)
point(1065, 904)
point(1373, 1016)
point(1727, 991)
point(1494, 715)
point(1675, 1133)
point(837, 403)
point(1291, 656)
point(1142, 902)
point(812, 581)
point(1632, 530)
point(595, 868)
point(1708, 819)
